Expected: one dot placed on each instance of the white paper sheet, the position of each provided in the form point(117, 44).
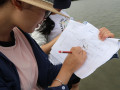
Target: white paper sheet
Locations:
point(84, 35)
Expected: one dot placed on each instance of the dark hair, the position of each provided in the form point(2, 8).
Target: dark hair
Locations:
point(3, 2)
point(47, 26)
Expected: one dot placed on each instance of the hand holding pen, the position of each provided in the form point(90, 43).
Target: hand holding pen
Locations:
point(75, 58)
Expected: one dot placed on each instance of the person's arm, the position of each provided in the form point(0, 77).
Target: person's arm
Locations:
point(73, 62)
point(47, 47)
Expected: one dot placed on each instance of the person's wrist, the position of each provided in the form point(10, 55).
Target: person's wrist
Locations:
point(66, 75)
point(63, 77)
point(68, 69)
point(60, 81)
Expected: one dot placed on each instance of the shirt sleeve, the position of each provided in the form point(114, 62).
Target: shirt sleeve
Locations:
point(115, 55)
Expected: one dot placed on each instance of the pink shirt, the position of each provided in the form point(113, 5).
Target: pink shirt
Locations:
point(22, 56)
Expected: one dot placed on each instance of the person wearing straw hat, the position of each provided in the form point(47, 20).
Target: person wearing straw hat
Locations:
point(23, 65)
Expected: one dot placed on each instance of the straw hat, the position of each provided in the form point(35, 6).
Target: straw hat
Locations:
point(44, 4)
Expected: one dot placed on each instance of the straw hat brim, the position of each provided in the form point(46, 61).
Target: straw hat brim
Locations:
point(44, 5)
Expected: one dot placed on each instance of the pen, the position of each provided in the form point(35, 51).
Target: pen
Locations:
point(64, 51)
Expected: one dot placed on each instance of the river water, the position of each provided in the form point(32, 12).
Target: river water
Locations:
point(101, 13)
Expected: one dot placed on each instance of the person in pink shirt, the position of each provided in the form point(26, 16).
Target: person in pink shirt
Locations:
point(23, 65)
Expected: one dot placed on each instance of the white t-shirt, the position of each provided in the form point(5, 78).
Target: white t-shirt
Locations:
point(60, 24)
